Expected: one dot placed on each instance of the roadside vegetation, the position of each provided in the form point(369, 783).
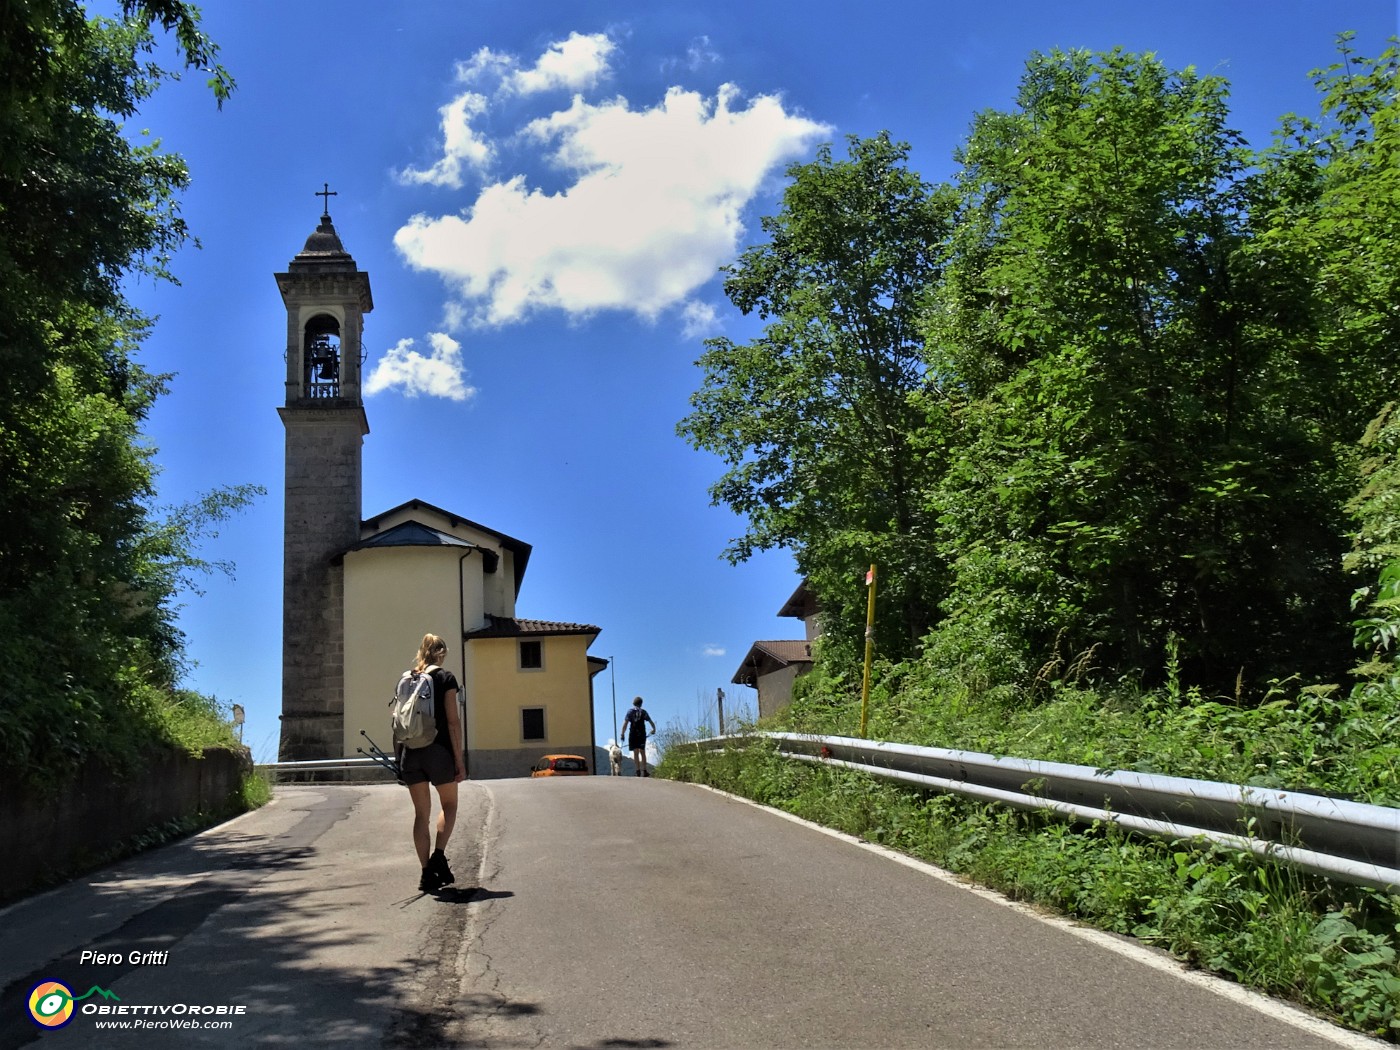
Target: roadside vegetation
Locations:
point(1114, 412)
point(91, 564)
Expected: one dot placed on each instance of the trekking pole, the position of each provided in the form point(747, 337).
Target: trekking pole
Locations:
point(380, 756)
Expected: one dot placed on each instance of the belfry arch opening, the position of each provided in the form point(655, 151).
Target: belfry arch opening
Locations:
point(321, 357)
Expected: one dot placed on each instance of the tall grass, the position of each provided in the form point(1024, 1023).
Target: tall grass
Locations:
point(1300, 737)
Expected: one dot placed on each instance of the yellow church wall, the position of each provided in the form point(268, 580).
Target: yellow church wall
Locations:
point(497, 590)
point(393, 596)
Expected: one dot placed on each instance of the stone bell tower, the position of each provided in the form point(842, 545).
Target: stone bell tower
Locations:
point(326, 298)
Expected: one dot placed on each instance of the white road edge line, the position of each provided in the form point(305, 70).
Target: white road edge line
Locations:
point(1154, 958)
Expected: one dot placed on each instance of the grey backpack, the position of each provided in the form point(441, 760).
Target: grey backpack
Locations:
point(411, 709)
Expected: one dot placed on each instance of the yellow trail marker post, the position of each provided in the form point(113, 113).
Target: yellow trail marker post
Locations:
point(869, 646)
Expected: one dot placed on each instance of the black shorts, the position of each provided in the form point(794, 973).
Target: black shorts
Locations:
point(433, 764)
point(638, 742)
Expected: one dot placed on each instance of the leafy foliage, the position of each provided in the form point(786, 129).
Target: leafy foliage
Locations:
point(1150, 353)
point(816, 419)
point(1102, 393)
point(88, 573)
point(1377, 547)
point(1135, 457)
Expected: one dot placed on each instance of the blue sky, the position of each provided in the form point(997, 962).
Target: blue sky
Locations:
point(542, 195)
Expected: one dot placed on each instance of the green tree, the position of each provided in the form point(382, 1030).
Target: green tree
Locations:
point(1137, 459)
point(1330, 209)
point(817, 418)
point(1375, 554)
point(87, 574)
point(1333, 213)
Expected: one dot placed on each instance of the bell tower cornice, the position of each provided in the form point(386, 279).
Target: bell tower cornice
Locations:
point(309, 287)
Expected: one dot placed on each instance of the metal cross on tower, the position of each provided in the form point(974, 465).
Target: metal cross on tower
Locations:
point(327, 193)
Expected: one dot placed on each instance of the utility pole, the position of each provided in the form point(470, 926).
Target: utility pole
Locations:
point(612, 666)
point(719, 700)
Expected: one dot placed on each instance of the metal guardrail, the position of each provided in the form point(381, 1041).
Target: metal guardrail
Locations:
point(1349, 841)
point(318, 763)
point(363, 769)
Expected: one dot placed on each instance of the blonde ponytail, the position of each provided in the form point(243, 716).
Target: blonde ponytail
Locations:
point(430, 652)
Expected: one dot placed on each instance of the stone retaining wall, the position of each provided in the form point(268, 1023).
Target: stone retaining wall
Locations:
point(52, 832)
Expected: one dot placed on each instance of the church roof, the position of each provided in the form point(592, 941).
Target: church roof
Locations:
point(416, 534)
point(412, 534)
point(519, 548)
point(323, 251)
point(514, 627)
point(766, 657)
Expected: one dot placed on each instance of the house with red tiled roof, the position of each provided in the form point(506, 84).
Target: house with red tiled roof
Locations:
point(772, 667)
point(534, 684)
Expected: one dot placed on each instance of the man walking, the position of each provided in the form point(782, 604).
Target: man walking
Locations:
point(634, 728)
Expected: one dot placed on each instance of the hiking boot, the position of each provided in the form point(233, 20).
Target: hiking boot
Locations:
point(431, 881)
point(437, 864)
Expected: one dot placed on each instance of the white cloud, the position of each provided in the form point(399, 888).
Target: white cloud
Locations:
point(461, 145)
point(440, 374)
point(652, 211)
point(698, 320)
point(714, 650)
point(570, 65)
point(483, 64)
point(697, 55)
point(700, 53)
point(575, 64)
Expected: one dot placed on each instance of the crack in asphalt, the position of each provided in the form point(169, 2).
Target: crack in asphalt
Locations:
point(454, 998)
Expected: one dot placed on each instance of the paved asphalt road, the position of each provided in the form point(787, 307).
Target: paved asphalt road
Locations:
point(593, 912)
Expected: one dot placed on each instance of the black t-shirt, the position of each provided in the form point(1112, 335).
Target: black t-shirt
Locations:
point(444, 681)
point(637, 728)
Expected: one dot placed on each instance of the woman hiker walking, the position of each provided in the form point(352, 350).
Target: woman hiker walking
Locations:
point(440, 763)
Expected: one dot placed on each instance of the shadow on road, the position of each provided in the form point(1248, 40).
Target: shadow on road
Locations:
point(255, 890)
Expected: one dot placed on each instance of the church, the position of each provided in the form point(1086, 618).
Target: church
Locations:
point(358, 594)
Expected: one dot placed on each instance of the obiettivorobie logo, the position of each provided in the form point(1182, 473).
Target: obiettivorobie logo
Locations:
point(51, 1002)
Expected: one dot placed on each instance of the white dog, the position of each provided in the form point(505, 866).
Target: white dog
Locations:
point(615, 758)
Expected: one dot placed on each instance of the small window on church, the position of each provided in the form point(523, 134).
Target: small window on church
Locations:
point(532, 656)
point(532, 723)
